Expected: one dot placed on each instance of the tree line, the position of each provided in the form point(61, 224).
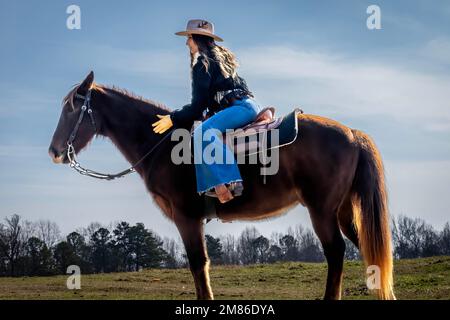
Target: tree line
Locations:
point(37, 248)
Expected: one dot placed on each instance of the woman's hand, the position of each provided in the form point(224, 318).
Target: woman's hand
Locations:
point(162, 125)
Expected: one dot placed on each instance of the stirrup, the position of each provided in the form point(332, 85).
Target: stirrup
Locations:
point(211, 193)
point(236, 188)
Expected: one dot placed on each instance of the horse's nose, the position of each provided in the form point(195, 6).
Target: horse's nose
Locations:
point(54, 154)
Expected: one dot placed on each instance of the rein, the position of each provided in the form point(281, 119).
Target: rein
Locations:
point(71, 150)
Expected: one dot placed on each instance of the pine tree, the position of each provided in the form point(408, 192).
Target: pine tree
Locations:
point(214, 248)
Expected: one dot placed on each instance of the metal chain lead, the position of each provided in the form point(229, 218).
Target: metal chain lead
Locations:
point(91, 173)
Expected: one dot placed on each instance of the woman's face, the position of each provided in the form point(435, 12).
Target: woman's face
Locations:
point(192, 45)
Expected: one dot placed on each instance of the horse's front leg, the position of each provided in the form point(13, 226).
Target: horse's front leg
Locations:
point(191, 231)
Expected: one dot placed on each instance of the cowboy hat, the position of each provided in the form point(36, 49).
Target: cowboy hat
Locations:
point(199, 26)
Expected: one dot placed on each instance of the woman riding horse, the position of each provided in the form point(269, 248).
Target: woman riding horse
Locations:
point(217, 88)
point(336, 172)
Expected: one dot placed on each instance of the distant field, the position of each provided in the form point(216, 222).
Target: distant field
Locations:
point(427, 278)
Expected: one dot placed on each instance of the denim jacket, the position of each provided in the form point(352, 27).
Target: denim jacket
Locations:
point(207, 86)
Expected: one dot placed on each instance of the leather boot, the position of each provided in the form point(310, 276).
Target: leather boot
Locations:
point(223, 193)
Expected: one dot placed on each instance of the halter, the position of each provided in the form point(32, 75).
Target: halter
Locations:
point(71, 150)
point(86, 106)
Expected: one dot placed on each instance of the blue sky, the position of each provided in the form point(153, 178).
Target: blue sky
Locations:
point(391, 83)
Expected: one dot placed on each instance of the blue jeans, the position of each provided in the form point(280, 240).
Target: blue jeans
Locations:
point(220, 167)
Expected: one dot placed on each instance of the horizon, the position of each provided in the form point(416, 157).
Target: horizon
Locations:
point(391, 83)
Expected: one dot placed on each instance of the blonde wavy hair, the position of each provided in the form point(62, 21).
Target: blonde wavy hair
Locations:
point(207, 47)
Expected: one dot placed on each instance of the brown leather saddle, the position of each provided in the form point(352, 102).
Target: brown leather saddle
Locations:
point(258, 135)
point(264, 116)
point(247, 140)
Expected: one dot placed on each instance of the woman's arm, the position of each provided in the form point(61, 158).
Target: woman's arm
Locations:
point(201, 82)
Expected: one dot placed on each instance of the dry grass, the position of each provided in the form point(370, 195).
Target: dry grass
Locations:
point(427, 278)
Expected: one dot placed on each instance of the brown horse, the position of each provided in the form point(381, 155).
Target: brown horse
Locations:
point(334, 171)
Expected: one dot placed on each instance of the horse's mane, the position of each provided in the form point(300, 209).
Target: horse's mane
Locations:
point(131, 95)
point(69, 98)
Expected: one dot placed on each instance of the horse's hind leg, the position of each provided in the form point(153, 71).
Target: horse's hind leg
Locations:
point(191, 232)
point(346, 216)
point(327, 229)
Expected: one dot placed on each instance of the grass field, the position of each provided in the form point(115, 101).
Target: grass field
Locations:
point(427, 278)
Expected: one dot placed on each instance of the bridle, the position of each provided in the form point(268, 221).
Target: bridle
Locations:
point(71, 150)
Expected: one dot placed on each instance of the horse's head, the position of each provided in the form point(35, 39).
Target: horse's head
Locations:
point(72, 108)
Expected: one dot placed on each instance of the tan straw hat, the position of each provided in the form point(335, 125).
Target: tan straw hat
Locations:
point(199, 26)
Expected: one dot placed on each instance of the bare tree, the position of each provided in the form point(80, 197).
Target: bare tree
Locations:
point(430, 241)
point(229, 247)
point(11, 241)
point(310, 247)
point(445, 240)
point(28, 230)
point(275, 238)
point(414, 238)
point(48, 232)
point(89, 231)
point(173, 249)
point(299, 233)
point(245, 247)
point(406, 236)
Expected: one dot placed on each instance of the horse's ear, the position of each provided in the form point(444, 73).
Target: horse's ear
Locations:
point(86, 84)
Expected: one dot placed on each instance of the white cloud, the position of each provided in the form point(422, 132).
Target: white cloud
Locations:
point(347, 85)
point(329, 84)
point(438, 49)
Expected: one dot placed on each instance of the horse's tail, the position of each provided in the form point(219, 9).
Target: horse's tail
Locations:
point(371, 215)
